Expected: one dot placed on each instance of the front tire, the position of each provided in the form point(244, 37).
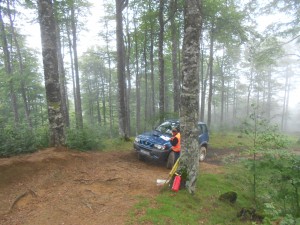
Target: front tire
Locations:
point(141, 157)
point(202, 153)
point(171, 160)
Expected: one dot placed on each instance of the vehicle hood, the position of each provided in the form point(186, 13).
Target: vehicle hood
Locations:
point(155, 137)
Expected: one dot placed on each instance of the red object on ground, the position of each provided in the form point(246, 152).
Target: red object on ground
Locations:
point(176, 183)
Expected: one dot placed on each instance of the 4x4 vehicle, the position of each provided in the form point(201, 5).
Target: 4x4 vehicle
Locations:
point(156, 144)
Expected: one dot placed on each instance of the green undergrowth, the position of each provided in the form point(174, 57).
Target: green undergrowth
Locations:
point(233, 140)
point(117, 144)
point(237, 140)
point(274, 195)
point(204, 207)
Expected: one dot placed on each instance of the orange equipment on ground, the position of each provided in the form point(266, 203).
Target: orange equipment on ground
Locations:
point(176, 183)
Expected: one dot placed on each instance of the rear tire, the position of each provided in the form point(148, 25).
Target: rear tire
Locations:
point(202, 153)
point(171, 160)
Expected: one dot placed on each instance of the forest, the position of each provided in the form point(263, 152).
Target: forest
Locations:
point(248, 61)
point(78, 75)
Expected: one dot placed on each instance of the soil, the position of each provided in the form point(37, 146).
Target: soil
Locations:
point(64, 187)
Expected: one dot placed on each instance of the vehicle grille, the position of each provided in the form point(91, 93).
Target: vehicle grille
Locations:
point(146, 143)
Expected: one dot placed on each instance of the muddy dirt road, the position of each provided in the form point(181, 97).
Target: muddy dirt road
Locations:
point(60, 187)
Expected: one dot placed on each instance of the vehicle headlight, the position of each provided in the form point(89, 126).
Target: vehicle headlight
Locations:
point(159, 147)
point(137, 139)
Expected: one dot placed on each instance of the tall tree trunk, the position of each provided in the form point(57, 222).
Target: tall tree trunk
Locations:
point(211, 62)
point(72, 68)
point(109, 81)
point(234, 110)
point(152, 93)
point(20, 61)
point(227, 100)
point(79, 120)
point(161, 66)
point(285, 101)
point(63, 84)
point(189, 111)
point(203, 81)
point(9, 72)
point(62, 76)
point(269, 96)
point(287, 107)
point(249, 91)
point(203, 94)
point(120, 5)
point(99, 96)
point(128, 93)
point(222, 93)
point(137, 86)
point(146, 79)
point(90, 100)
point(153, 104)
point(50, 62)
point(103, 93)
point(174, 36)
point(95, 89)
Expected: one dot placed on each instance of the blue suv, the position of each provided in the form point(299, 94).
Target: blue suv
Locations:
point(156, 144)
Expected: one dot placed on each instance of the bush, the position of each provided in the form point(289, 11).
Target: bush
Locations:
point(276, 172)
point(85, 139)
point(42, 137)
point(16, 141)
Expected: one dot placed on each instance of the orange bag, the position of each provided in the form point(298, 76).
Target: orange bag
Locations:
point(176, 183)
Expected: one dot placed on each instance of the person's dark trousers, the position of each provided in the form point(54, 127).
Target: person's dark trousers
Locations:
point(177, 154)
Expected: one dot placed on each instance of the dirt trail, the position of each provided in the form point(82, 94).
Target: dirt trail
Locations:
point(52, 187)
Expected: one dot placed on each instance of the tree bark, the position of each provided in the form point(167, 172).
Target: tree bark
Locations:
point(109, 81)
point(203, 83)
point(79, 119)
point(146, 113)
point(176, 82)
point(285, 101)
point(72, 67)
point(137, 86)
point(153, 103)
point(120, 5)
point(161, 62)
point(50, 62)
point(210, 91)
point(249, 90)
point(189, 97)
point(62, 78)
point(9, 72)
point(223, 103)
point(20, 61)
point(128, 80)
point(103, 97)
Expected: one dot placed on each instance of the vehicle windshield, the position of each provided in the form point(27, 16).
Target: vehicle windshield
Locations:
point(166, 127)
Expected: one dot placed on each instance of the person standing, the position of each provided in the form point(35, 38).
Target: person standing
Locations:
point(175, 142)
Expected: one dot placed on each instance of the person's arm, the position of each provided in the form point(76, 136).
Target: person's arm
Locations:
point(174, 141)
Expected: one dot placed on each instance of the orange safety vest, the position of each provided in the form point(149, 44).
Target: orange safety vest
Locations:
point(176, 148)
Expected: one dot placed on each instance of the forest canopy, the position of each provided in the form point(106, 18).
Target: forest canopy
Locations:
point(248, 56)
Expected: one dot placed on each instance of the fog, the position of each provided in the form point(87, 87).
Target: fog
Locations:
point(286, 72)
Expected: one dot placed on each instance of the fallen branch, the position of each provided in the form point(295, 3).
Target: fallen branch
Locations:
point(32, 193)
point(112, 179)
